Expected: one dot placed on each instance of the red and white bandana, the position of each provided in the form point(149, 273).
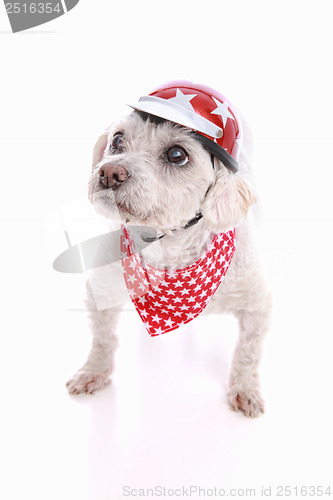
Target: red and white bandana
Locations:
point(166, 299)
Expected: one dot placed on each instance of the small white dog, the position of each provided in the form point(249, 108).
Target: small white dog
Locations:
point(172, 165)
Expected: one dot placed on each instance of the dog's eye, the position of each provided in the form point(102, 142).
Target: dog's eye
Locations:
point(177, 155)
point(116, 141)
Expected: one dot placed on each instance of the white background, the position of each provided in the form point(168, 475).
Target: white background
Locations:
point(165, 420)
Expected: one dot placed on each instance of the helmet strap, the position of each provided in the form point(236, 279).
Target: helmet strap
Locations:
point(216, 150)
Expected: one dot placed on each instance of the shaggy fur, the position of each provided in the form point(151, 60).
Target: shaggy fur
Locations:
point(164, 196)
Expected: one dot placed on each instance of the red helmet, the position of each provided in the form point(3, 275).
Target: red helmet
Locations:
point(204, 110)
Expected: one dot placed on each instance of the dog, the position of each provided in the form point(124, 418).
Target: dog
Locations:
point(152, 170)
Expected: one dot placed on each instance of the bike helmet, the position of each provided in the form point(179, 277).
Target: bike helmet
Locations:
point(208, 113)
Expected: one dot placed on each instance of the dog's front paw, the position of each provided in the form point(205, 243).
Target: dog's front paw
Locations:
point(250, 402)
point(88, 382)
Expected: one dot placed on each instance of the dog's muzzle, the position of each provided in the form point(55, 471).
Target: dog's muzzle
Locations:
point(112, 176)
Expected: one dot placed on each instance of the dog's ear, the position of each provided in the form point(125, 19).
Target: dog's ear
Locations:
point(227, 201)
point(99, 148)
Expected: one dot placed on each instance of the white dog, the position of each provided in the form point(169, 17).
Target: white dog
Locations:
point(163, 166)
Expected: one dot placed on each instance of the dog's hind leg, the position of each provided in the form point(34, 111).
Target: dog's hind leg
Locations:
point(95, 373)
point(244, 391)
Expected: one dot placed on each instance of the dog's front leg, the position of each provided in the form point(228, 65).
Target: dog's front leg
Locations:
point(244, 392)
point(95, 373)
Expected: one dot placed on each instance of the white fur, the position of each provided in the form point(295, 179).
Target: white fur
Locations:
point(167, 197)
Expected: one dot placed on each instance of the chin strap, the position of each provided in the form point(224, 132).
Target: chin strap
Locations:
point(215, 150)
point(190, 223)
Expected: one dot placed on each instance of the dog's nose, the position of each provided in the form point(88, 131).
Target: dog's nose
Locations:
point(111, 176)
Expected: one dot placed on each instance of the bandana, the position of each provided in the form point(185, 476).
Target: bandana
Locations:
point(166, 299)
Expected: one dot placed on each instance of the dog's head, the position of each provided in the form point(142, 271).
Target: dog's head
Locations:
point(156, 173)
